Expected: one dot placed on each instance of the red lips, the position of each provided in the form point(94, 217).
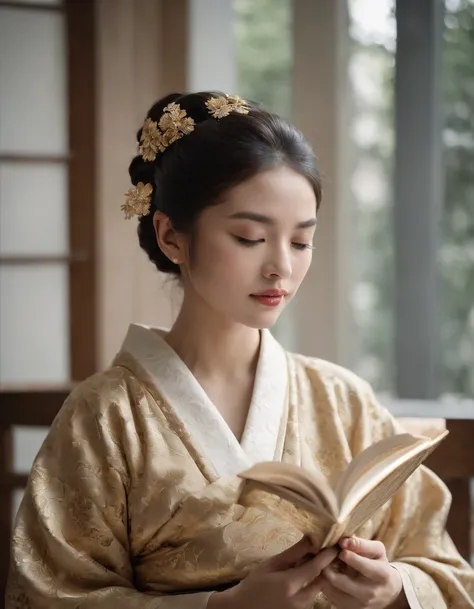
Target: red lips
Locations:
point(272, 293)
point(270, 298)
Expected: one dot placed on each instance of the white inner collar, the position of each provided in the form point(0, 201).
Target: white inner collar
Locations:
point(202, 420)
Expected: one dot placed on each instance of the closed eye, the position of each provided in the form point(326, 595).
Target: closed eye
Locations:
point(252, 242)
point(248, 242)
point(303, 246)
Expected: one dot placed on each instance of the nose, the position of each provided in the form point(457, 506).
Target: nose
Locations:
point(278, 264)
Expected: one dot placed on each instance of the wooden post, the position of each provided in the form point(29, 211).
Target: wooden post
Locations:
point(6, 457)
point(459, 519)
point(322, 317)
point(418, 195)
point(453, 462)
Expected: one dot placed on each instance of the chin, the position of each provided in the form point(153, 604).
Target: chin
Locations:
point(262, 322)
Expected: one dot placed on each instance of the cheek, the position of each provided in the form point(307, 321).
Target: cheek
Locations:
point(220, 258)
point(301, 267)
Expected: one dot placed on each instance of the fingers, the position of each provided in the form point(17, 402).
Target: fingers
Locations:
point(370, 548)
point(336, 596)
point(307, 596)
point(288, 558)
point(355, 588)
point(365, 578)
point(372, 569)
point(305, 574)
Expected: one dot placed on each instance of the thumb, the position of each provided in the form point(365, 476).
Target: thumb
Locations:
point(289, 557)
point(369, 548)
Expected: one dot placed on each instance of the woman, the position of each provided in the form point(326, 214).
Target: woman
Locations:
point(133, 500)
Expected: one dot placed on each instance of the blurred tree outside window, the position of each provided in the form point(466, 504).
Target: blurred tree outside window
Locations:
point(371, 74)
point(264, 52)
point(457, 254)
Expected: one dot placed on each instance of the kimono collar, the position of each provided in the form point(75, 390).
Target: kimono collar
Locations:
point(206, 427)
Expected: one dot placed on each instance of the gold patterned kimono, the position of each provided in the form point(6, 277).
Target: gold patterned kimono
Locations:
point(133, 500)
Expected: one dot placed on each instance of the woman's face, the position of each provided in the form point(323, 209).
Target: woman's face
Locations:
point(250, 253)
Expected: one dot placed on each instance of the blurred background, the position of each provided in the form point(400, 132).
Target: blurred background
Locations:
point(384, 91)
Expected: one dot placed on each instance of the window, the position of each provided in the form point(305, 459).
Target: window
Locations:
point(34, 243)
point(372, 63)
point(264, 52)
point(47, 242)
point(457, 254)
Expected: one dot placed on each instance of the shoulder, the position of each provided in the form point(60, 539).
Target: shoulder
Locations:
point(104, 399)
point(347, 394)
point(104, 385)
point(330, 375)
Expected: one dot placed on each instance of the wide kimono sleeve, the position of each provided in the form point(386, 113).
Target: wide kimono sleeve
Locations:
point(434, 574)
point(70, 546)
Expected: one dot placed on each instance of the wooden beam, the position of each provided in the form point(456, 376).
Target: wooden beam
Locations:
point(80, 16)
point(10, 482)
point(174, 47)
point(32, 6)
point(454, 458)
point(459, 518)
point(30, 407)
point(42, 259)
point(43, 159)
point(6, 452)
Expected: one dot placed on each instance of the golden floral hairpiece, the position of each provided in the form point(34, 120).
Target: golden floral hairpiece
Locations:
point(175, 123)
point(172, 126)
point(156, 137)
point(137, 200)
point(220, 107)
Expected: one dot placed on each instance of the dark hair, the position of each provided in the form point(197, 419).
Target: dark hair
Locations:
point(197, 170)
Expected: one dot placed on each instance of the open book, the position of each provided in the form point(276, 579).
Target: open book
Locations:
point(324, 512)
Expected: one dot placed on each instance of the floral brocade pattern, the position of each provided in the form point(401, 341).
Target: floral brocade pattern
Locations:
point(122, 512)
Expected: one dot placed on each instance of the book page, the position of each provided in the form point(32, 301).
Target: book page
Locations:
point(378, 496)
point(292, 482)
point(294, 510)
point(378, 481)
point(299, 501)
point(374, 457)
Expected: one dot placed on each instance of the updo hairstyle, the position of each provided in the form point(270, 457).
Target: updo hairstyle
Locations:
point(197, 170)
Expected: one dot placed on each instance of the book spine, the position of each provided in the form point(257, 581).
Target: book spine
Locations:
point(334, 535)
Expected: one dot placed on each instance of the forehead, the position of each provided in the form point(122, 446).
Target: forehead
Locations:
point(278, 192)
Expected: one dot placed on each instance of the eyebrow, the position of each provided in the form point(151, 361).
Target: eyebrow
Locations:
point(250, 215)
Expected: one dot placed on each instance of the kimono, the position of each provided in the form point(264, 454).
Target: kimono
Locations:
point(133, 499)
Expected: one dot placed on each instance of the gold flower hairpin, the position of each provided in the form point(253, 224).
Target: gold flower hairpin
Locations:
point(156, 137)
point(137, 200)
point(150, 140)
point(220, 107)
point(175, 123)
point(172, 126)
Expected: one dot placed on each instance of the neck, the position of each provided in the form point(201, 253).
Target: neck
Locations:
point(212, 346)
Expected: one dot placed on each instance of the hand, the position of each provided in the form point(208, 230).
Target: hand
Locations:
point(364, 579)
point(282, 582)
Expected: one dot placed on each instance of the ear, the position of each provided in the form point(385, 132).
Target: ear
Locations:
point(172, 243)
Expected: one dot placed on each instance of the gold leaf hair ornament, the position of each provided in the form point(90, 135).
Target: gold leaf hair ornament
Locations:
point(156, 137)
point(220, 107)
point(137, 200)
point(175, 123)
point(150, 140)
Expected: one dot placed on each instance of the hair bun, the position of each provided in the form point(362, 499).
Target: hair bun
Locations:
point(140, 171)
